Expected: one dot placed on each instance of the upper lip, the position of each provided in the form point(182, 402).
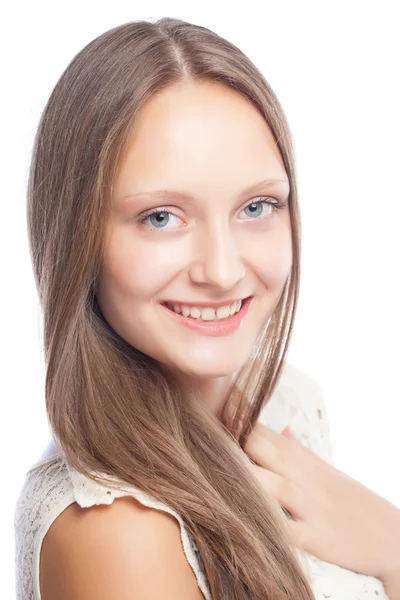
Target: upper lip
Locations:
point(204, 304)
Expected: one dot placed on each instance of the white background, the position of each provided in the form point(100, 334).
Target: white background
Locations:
point(335, 69)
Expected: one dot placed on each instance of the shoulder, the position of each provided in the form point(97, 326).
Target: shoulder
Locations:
point(45, 492)
point(123, 550)
point(295, 391)
point(298, 401)
point(57, 499)
point(46, 485)
point(292, 376)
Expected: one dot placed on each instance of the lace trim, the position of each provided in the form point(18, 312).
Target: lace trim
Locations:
point(48, 490)
point(87, 493)
point(51, 485)
point(45, 494)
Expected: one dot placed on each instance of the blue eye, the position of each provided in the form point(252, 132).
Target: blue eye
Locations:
point(256, 207)
point(157, 218)
point(160, 217)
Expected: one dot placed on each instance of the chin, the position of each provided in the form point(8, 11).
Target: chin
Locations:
point(210, 374)
point(210, 369)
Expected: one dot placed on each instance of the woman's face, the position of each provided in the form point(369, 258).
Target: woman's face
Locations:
point(209, 142)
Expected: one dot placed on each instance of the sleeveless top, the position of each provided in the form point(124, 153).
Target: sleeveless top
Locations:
point(51, 485)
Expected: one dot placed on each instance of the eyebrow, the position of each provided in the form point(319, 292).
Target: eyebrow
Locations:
point(183, 195)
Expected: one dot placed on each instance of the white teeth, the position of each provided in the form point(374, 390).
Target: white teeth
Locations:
point(223, 312)
point(195, 313)
point(207, 314)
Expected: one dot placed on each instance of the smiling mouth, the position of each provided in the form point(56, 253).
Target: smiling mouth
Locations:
point(208, 314)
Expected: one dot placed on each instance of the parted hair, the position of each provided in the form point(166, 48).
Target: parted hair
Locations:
point(112, 409)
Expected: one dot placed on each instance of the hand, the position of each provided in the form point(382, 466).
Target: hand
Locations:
point(335, 518)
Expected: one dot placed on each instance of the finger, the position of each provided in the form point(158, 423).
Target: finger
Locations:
point(281, 440)
point(282, 456)
point(287, 432)
point(285, 492)
point(299, 532)
point(284, 440)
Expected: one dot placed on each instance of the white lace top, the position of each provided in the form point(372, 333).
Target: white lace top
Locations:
point(51, 485)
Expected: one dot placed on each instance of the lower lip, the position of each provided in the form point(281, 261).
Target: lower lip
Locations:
point(222, 327)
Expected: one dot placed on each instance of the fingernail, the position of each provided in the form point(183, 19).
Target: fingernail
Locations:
point(287, 432)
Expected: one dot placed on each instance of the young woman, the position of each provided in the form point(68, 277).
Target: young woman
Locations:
point(165, 238)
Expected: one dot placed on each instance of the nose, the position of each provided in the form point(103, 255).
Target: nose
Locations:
point(220, 264)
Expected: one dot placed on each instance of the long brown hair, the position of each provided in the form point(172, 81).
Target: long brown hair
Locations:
point(111, 408)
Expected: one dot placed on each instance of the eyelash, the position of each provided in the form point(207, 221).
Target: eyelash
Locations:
point(276, 205)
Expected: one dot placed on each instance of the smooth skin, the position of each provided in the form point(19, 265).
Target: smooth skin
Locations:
point(336, 518)
point(209, 141)
point(121, 551)
point(221, 244)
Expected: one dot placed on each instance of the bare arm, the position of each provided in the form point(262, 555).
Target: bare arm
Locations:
point(124, 550)
point(391, 583)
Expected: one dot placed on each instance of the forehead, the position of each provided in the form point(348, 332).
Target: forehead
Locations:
point(201, 137)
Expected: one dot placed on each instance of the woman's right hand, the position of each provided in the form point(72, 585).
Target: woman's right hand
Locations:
point(336, 518)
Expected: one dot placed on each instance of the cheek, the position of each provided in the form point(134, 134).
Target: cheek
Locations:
point(272, 259)
point(138, 270)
